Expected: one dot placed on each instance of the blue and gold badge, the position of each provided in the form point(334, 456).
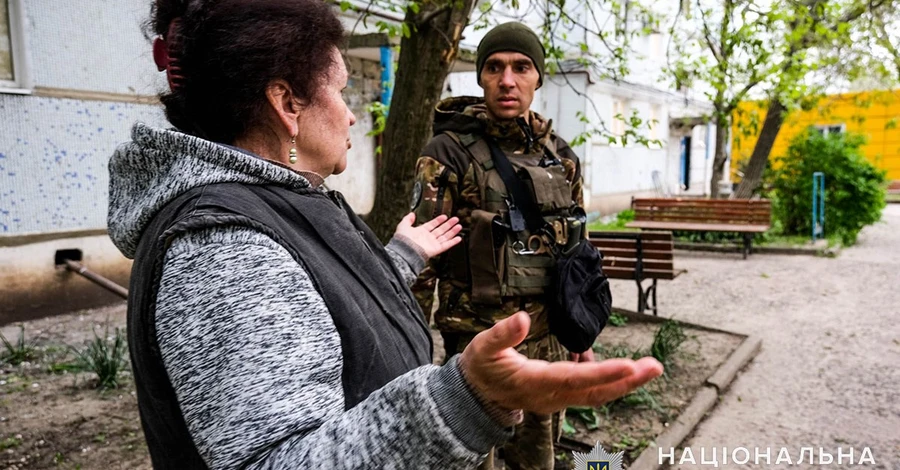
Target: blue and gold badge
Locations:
point(598, 459)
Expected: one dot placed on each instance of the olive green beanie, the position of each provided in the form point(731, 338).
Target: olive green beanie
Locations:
point(511, 37)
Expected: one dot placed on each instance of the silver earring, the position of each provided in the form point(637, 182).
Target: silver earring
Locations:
point(293, 152)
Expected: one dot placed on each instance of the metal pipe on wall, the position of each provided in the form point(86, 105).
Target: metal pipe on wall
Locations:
point(101, 281)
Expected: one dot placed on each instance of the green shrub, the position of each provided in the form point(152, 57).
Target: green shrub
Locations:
point(854, 187)
point(622, 218)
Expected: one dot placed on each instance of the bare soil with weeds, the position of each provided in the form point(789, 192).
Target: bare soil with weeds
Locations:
point(61, 419)
point(827, 375)
point(630, 424)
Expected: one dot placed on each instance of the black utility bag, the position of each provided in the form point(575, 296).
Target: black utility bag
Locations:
point(579, 299)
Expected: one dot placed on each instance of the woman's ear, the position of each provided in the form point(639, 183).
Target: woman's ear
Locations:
point(285, 107)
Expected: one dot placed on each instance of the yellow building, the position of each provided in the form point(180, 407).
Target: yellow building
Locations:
point(874, 114)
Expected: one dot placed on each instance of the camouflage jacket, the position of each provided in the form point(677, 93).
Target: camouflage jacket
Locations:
point(445, 178)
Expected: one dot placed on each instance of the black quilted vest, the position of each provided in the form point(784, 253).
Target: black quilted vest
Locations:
point(382, 330)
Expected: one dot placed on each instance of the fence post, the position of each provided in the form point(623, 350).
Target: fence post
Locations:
point(818, 206)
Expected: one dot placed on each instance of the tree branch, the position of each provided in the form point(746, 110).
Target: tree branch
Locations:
point(432, 15)
point(706, 34)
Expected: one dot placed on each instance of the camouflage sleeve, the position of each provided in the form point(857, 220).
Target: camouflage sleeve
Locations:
point(434, 192)
point(573, 170)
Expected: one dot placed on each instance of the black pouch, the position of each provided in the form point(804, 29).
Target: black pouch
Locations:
point(580, 300)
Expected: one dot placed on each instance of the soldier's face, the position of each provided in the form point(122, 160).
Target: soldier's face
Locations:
point(509, 80)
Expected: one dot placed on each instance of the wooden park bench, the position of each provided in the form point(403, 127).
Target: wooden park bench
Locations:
point(743, 216)
point(638, 256)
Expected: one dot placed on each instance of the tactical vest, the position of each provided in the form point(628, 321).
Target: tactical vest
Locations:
point(503, 262)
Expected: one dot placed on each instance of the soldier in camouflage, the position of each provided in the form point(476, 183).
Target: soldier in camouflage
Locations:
point(450, 180)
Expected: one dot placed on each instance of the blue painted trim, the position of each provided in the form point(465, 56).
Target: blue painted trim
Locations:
point(387, 74)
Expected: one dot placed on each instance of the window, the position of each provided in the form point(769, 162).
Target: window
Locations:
point(656, 46)
point(12, 73)
point(831, 129)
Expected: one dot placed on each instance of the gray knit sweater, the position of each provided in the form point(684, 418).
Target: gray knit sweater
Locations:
point(250, 346)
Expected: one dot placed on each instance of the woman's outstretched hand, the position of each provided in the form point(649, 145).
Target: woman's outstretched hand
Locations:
point(510, 380)
point(433, 237)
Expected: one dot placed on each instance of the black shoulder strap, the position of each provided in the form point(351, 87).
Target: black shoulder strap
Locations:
point(521, 198)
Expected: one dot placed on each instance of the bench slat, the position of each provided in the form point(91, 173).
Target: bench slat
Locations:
point(644, 234)
point(685, 211)
point(631, 245)
point(740, 228)
point(660, 265)
point(626, 273)
point(704, 202)
point(708, 219)
point(625, 253)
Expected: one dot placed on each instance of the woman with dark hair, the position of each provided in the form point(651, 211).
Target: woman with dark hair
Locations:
point(267, 326)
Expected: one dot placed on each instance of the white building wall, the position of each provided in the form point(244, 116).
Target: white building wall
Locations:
point(95, 45)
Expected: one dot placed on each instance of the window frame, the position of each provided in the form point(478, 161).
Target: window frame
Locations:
point(21, 80)
point(828, 129)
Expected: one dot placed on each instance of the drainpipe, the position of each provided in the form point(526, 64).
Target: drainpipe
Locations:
point(709, 131)
point(387, 74)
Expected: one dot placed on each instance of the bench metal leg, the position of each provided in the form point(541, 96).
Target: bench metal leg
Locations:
point(645, 296)
point(748, 239)
point(642, 298)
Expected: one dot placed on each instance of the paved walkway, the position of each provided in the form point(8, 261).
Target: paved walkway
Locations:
point(829, 371)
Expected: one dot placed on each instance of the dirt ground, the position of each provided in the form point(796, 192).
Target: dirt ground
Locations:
point(50, 420)
point(630, 428)
point(828, 374)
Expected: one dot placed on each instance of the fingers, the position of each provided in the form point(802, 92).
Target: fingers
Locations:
point(435, 222)
point(446, 245)
point(646, 369)
point(447, 231)
point(507, 333)
point(575, 377)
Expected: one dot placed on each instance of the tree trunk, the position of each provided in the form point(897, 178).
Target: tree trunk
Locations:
point(759, 159)
point(718, 168)
point(425, 59)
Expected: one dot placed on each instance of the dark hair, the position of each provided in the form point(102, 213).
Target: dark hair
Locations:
point(228, 51)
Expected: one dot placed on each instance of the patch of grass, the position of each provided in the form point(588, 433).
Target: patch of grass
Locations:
point(616, 352)
point(642, 398)
point(666, 342)
point(587, 415)
point(104, 356)
point(892, 197)
point(617, 320)
point(19, 352)
point(11, 442)
point(622, 218)
point(633, 447)
point(64, 367)
point(775, 240)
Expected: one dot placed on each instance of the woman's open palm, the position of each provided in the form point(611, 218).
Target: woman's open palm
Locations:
point(433, 237)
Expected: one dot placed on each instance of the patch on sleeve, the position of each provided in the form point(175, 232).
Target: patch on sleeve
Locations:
point(416, 196)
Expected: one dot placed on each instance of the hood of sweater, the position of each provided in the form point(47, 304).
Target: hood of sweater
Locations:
point(158, 165)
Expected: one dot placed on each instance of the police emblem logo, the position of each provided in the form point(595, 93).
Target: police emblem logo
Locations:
point(416, 196)
point(598, 459)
